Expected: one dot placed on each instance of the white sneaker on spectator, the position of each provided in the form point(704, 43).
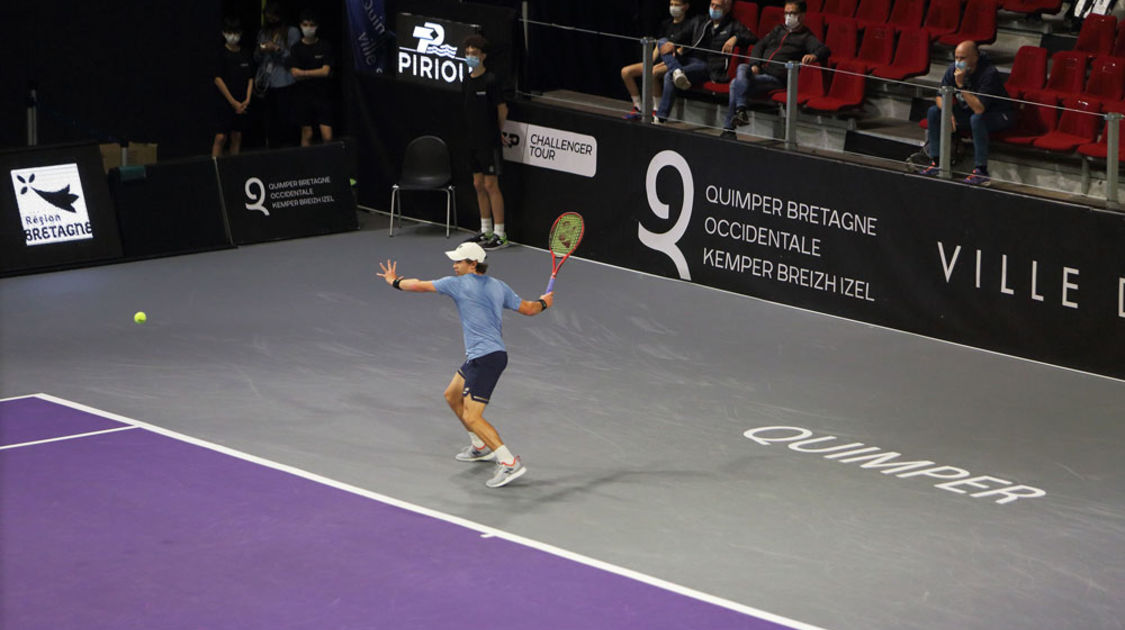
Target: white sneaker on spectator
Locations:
point(680, 79)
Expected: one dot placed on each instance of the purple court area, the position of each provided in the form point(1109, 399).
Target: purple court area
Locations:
point(133, 529)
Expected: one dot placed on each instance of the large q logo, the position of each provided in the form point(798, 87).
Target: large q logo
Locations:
point(665, 243)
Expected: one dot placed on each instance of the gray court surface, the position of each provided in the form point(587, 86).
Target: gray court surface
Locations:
point(630, 402)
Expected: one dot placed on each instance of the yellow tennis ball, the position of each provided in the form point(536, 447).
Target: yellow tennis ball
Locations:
point(140, 317)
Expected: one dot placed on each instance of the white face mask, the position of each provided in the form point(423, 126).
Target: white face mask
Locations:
point(791, 22)
point(232, 38)
point(308, 31)
point(676, 11)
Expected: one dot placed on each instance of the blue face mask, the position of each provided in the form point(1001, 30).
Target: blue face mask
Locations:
point(961, 65)
point(472, 62)
point(716, 14)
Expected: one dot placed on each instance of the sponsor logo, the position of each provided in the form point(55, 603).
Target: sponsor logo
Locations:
point(555, 149)
point(666, 242)
point(291, 193)
point(51, 203)
point(427, 50)
point(951, 478)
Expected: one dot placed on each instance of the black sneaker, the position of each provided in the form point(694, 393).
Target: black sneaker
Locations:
point(479, 237)
point(728, 133)
point(495, 241)
point(741, 116)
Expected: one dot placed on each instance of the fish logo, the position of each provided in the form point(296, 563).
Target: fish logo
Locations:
point(62, 198)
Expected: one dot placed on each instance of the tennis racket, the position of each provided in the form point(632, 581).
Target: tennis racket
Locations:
point(565, 236)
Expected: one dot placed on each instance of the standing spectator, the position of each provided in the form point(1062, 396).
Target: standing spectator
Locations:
point(670, 28)
point(485, 113)
point(274, 82)
point(978, 84)
point(789, 41)
point(310, 63)
point(235, 83)
point(701, 53)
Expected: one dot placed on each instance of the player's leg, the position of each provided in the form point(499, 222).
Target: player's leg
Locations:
point(455, 397)
point(217, 145)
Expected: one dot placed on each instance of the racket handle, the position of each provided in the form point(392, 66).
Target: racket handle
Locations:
point(551, 284)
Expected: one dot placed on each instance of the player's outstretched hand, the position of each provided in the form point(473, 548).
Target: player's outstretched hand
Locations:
point(389, 271)
point(549, 298)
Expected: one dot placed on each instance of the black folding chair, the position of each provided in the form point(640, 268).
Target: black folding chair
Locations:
point(426, 167)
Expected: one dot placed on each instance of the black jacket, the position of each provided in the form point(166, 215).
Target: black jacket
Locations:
point(711, 40)
point(781, 45)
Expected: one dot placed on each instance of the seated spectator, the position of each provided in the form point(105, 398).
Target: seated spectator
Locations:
point(978, 84)
point(669, 29)
point(701, 53)
point(789, 41)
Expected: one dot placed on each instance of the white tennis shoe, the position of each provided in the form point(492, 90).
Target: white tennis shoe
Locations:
point(506, 474)
point(473, 454)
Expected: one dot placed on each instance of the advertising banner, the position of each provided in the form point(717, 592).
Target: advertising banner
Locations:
point(287, 193)
point(1015, 274)
point(428, 50)
point(55, 208)
point(371, 42)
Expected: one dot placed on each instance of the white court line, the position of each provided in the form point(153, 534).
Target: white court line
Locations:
point(814, 312)
point(66, 437)
point(18, 397)
point(449, 518)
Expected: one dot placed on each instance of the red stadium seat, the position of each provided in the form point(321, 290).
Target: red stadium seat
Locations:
point(1034, 119)
point(814, 6)
point(1107, 80)
point(815, 23)
point(1068, 72)
point(878, 47)
point(1119, 42)
point(978, 23)
point(1078, 125)
point(848, 89)
point(841, 8)
point(716, 87)
point(1032, 6)
point(1096, 35)
point(1029, 71)
point(943, 18)
point(1100, 149)
point(872, 12)
point(912, 56)
point(769, 18)
point(810, 84)
point(907, 14)
point(841, 40)
point(747, 13)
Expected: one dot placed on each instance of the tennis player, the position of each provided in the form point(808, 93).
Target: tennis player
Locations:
point(480, 301)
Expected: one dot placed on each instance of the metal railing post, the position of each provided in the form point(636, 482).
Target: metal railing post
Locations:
point(791, 104)
point(1112, 141)
point(946, 150)
point(646, 79)
point(32, 114)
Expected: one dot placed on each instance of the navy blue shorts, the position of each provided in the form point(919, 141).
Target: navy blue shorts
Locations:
point(485, 161)
point(481, 375)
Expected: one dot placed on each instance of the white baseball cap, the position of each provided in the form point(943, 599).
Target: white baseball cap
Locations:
point(467, 251)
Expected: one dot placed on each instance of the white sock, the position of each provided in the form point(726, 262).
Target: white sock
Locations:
point(637, 102)
point(486, 226)
point(655, 103)
point(500, 230)
point(477, 442)
point(504, 456)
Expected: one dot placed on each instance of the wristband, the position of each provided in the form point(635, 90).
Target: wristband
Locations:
point(543, 303)
point(396, 283)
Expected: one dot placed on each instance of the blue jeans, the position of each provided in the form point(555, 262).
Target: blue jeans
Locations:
point(746, 84)
point(981, 125)
point(694, 67)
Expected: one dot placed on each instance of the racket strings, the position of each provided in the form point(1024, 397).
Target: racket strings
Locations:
point(566, 234)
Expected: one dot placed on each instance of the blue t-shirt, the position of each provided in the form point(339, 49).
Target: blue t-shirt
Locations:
point(480, 300)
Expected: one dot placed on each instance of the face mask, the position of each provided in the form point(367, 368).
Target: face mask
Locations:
point(232, 38)
point(472, 62)
point(677, 12)
point(961, 65)
point(716, 14)
point(308, 31)
point(791, 22)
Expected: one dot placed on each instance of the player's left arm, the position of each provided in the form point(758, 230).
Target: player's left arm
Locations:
point(390, 275)
point(544, 302)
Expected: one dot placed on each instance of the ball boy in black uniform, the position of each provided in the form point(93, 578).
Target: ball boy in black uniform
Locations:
point(485, 113)
point(234, 80)
point(310, 62)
